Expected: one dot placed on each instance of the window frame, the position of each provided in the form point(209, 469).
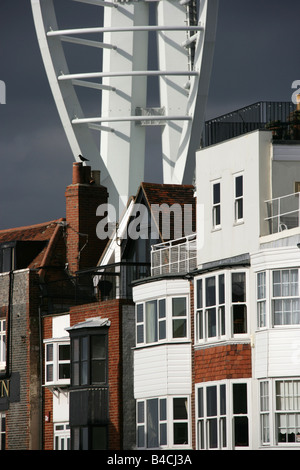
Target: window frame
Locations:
point(270, 299)
point(224, 307)
point(216, 206)
point(238, 199)
point(55, 362)
point(223, 418)
point(84, 363)
point(61, 436)
point(167, 421)
point(165, 319)
point(274, 413)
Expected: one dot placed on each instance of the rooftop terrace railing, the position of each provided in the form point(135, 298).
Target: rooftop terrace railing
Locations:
point(283, 213)
point(175, 256)
point(276, 116)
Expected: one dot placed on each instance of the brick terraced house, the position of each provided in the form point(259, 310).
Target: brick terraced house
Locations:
point(67, 318)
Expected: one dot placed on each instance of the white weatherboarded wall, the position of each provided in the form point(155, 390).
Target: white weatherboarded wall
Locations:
point(162, 370)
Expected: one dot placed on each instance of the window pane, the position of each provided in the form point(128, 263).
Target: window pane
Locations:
point(49, 373)
point(75, 376)
point(141, 436)
point(84, 379)
point(239, 313)
point(163, 434)
point(210, 291)
point(162, 329)
point(222, 399)
point(75, 348)
point(211, 322)
point(99, 438)
point(162, 308)
point(199, 293)
point(98, 347)
point(179, 306)
point(180, 433)
point(239, 398)
point(6, 259)
point(200, 403)
point(241, 431)
point(151, 321)
point(84, 348)
point(221, 289)
point(140, 334)
point(98, 371)
point(84, 439)
point(180, 408)
point(211, 398)
point(179, 328)
point(64, 371)
point(213, 433)
point(239, 186)
point(49, 352)
point(64, 352)
point(238, 287)
point(140, 313)
point(217, 193)
point(163, 409)
point(152, 423)
point(140, 412)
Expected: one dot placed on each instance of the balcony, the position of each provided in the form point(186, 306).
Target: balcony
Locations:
point(283, 213)
point(176, 256)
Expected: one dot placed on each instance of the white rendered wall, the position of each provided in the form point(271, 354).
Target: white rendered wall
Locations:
point(249, 155)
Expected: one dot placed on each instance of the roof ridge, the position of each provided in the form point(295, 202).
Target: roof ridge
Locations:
point(27, 227)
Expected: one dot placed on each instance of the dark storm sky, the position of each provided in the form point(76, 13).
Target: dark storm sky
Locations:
point(257, 57)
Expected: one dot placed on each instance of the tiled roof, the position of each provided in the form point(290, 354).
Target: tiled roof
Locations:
point(39, 232)
point(43, 232)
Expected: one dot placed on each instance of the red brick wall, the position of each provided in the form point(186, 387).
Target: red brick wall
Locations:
point(231, 361)
point(110, 309)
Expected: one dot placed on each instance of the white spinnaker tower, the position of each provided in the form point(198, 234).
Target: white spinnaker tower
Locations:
point(185, 43)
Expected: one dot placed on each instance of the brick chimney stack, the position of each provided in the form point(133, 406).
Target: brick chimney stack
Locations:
point(83, 197)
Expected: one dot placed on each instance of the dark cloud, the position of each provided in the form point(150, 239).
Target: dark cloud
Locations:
point(256, 58)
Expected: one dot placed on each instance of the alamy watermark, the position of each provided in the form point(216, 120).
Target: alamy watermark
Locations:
point(163, 220)
point(2, 92)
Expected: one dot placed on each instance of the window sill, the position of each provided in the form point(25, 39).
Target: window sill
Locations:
point(236, 223)
point(222, 342)
point(163, 343)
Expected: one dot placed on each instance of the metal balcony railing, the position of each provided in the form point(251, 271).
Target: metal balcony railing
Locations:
point(98, 284)
point(175, 256)
point(283, 213)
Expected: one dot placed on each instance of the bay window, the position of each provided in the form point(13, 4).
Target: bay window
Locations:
point(162, 422)
point(278, 298)
point(160, 320)
point(221, 305)
point(222, 415)
point(280, 412)
point(57, 362)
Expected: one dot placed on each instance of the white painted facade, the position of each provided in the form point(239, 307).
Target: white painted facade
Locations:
point(163, 367)
point(270, 170)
